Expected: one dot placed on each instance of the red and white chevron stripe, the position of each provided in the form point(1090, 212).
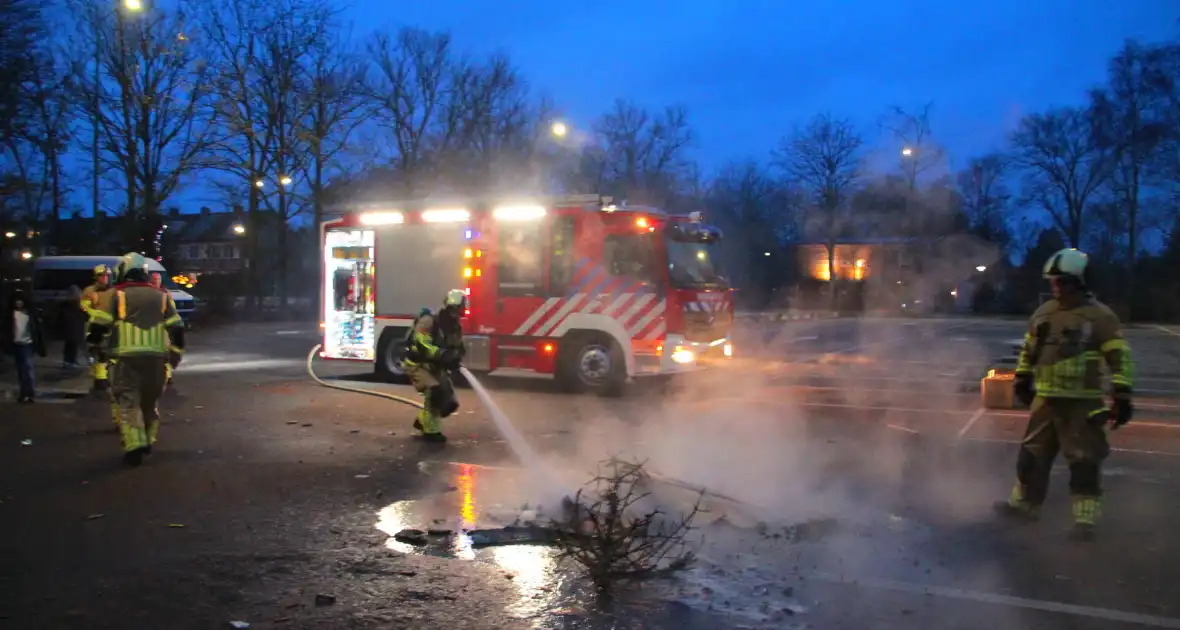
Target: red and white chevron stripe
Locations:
point(707, 303)
point(641, 315)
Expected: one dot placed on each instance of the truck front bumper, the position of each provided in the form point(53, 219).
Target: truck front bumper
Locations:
point(680, 355)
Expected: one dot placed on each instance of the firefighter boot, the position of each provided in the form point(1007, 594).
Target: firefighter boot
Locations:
point(134, 458)
point(1017, 507)
point(1086, 511)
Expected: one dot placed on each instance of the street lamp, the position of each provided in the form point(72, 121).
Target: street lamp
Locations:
point(559, 129)
point(259, 184)
point(285, 180)
point(981, 268)
point(26, 255)
point(239, 229)
point(130, 6)
point(10, 235)
point(907, 152)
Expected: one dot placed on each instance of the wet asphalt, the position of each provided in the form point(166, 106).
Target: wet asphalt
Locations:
point(268, 499)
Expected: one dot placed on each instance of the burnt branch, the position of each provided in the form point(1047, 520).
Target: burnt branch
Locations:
point(611, 530)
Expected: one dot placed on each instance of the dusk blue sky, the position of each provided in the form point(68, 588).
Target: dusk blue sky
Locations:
point(748, 70)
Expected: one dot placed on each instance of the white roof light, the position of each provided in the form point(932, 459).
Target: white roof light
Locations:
point(446, 216)
point(382, 218)
point(518, 213)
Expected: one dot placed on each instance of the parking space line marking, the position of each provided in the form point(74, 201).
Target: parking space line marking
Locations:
point(1167, 330)
point(1092, 612)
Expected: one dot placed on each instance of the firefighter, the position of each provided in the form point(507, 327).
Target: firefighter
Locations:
point(96, 301)
point(1058, 375)
point(158, 282)
point(434, 349)
point(146, 334)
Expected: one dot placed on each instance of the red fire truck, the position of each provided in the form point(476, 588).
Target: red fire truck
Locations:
point(574, 287)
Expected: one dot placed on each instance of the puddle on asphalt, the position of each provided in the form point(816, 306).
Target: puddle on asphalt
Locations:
point(749, 572)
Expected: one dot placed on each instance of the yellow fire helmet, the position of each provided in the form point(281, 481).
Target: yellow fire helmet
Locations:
point(101, 270)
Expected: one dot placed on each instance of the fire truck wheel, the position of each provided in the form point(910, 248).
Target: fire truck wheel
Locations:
point(593, 364)
point(389, 357)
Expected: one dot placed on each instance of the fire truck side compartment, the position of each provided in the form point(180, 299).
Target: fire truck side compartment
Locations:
point(426, 259)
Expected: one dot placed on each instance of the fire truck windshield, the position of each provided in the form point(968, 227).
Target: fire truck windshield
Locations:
point(691, 265)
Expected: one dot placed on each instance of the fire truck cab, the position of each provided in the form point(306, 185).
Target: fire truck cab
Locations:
point(574, 288)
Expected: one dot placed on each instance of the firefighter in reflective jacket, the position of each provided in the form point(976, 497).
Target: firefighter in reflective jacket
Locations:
point(96, 300)
point(1059, 375)
point(145, 335)
point(434, 348)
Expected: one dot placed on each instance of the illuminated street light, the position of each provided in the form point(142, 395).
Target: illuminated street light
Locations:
point(907, 152)
point(239, 229)
point(26, 255)
point(259, 184)
point(981, 268)
point(558, 129)
point(133, 5)
point(286, 181)
point(766, 253)
point(10, 235)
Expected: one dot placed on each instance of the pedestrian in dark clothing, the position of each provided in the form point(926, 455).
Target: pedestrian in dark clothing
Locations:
point(73, 327)
point(25, 340)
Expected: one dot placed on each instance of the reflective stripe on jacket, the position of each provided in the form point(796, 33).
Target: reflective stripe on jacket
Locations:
point(142, 315)
point(1067, 345)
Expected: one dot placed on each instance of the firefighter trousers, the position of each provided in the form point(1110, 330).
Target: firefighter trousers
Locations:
point(137, 383)
point(438, 395)
point(1076, 428)
point(99, 369)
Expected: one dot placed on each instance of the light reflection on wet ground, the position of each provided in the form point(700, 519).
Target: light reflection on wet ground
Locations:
point(749, 573)
point(497, 503)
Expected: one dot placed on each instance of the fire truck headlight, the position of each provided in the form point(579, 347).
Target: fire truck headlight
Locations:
point(683, 355)
point(728, 349)
point(382, 218)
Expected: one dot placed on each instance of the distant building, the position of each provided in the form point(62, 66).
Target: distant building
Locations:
point(884, 259)
point(211, 242)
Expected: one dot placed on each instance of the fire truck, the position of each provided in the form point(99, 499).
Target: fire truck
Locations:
point(574, 288)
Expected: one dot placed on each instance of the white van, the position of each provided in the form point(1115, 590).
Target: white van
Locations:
point(54, 275)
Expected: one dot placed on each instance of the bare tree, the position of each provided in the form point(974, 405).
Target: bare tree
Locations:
point(21, 65)
point(1065, 161)
point(408, 86)
point(757, 213)
point(640, 157)
point(1131, 110)
point(333, 104)
point(156, 123)
point(259, 50)
point(919, 152)
point(824, 159)
point(615, 535)
point(492, 125)
point(984, 197)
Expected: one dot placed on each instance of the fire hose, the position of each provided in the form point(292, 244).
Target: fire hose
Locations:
point(355, 390)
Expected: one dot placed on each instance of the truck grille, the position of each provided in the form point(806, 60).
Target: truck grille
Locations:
point(697, 326)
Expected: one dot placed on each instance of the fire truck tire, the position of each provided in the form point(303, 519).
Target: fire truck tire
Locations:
point(389, 355)
point(592, 363)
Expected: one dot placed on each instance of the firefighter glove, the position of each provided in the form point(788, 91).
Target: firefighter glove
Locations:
point(174, 357)
point(1122, 409)
point(1024, 391)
